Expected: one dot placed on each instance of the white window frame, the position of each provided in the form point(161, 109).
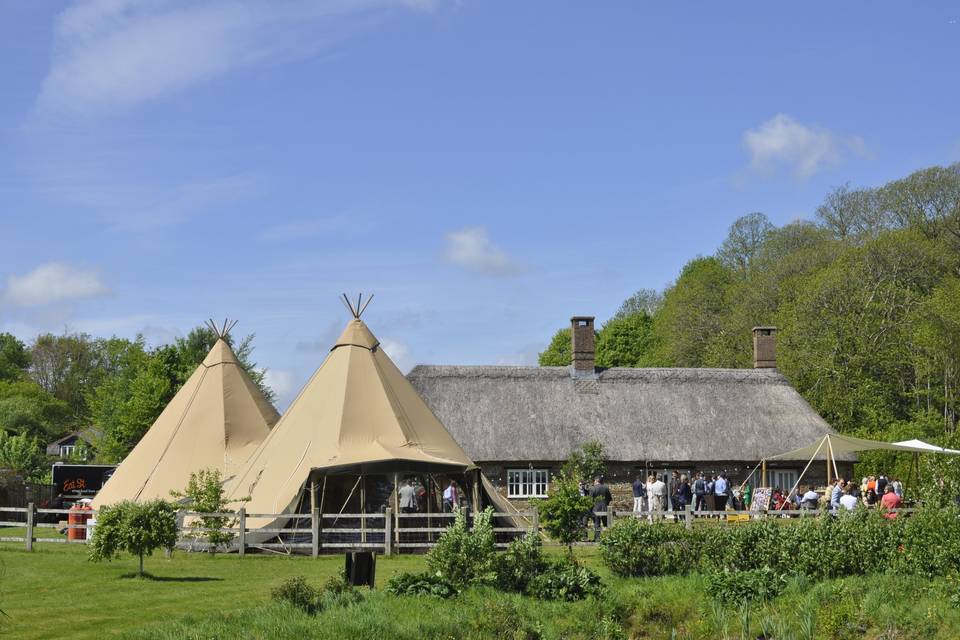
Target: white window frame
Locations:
point(528, 483)
point(779, 477)
point(66, 450)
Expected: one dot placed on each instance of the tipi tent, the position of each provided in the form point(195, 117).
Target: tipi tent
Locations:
point(361, 425)
point(216, 420)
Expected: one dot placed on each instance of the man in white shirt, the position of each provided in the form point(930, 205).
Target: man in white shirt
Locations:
point(848, 501)
point(720, 488)
point(451, 497)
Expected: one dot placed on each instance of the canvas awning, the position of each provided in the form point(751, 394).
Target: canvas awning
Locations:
point(831, 445)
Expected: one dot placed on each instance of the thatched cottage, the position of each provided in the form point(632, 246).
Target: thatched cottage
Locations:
point(520, 423)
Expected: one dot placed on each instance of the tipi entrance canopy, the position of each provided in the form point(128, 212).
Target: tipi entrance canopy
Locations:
point(831, 445)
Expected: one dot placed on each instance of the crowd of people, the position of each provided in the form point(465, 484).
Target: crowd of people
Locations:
point(846, 495)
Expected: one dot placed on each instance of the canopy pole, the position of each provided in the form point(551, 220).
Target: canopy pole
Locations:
point(829, 455)
point(744, 483)
point(763, 472)
point(833, 460)
point(476, 490)
point(812, 458)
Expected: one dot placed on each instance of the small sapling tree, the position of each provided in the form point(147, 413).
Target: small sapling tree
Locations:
point(562, 513)
point(139, 529)
point(205, 494)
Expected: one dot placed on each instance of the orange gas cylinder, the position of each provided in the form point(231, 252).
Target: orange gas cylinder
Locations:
point(79, 514)
point(73, 517)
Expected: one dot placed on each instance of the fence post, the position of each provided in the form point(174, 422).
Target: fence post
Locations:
point(688, 516)
point(315, 531)
point(388, 531)
point(242, 524)
point(535, 528)
point(29, 536)
point(610, 515)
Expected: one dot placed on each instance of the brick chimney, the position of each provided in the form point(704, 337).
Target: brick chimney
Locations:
point(764, 347)
point(584, 356)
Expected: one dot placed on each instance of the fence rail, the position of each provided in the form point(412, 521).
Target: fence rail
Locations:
point(389, 536)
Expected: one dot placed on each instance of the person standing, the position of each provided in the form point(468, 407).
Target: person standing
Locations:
point(699, 492)
point(721, 490)
point(451, 497)
point(657, 494)
point(882, 483)
point(407, 495)
point(747, 496)
point(601, 499)
point(639, 493)
point(683, 497)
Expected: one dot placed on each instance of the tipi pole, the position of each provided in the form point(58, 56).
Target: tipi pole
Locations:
point(396, 507)
point(363, 509)
point(323, 494)
point(763, 473)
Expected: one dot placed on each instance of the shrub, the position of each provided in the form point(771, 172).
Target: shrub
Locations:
point(298, 592)
point(205, 494)
point(138, 528)
point(522, 561)
point(463, 556)
point(635, 548)
point(420, 584)
point(740, 587)
point(929, 543)
point(565, 581)
point(336, 592)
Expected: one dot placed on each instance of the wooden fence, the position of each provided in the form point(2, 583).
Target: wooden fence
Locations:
point(311, 532)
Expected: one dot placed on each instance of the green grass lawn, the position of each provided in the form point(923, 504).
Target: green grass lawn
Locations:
point(55, 592)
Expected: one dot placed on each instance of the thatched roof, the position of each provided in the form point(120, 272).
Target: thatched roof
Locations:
point(501, 413)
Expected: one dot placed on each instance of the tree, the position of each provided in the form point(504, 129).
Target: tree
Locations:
point(137, 528)
point(26, 408)
point(853, 214)
point(559, 353)
point(646, 301)
point(744, 239)
point(587, 462)
point(14, 358)
point(204, 493)
point(927, 200)
point(24, 455)
point(690, 318)
point(66, 366)
point(625, 341)
point(563, 511)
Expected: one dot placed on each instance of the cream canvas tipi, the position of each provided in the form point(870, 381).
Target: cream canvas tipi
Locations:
point(216, 420)
point(357, 415)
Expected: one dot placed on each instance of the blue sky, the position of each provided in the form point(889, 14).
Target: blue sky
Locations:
point(487, 169)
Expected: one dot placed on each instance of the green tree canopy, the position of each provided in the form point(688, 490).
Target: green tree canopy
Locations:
point(625, 341)
point(14, 358)
point(137, 528)
point(559, 353)
point(24, 455)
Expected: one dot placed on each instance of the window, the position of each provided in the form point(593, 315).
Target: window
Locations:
point(783, 479)
point(527, 483)
point(66, 450)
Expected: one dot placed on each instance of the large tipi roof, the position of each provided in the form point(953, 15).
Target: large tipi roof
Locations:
point(216, 420)
point(357, 413)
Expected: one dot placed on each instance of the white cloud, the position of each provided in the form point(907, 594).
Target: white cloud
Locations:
point(472, 249)
point(782, 142)
point(111, 55)
point(284, 385)
point(314, 227)
point(53, 282)
point(399, 353)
